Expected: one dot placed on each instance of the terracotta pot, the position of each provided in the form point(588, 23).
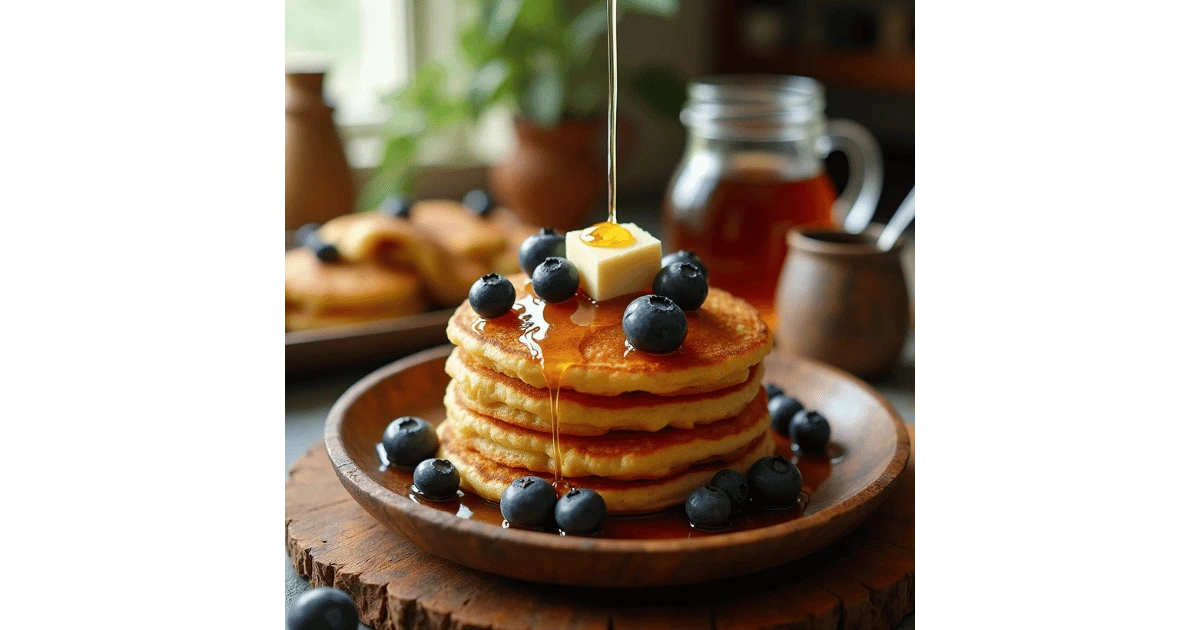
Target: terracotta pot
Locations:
point(843, 301)
point(553, 176)
point(317, 181)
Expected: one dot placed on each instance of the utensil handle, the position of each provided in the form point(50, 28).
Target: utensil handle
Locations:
point(904, 215)
point(855, 207)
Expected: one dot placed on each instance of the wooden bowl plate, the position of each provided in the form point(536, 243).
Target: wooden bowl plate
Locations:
point(871, 433)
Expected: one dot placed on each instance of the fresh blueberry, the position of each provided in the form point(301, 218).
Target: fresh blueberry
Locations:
point(580, 512)
point(684, 283)
point(684, 255)
point(326, 252)
point(409, 440)
point(492, 296)
point(537, 248)
point(436, 479)
point(556, 279)
point(782, 408)
point(810, 432)
point(528, 503)
point(734, 484)
point(773, 390)
point(774, 482)
point(654, 324)
point(305, 231)
point(323, 609)
point(397, 206)
point(479, 202)
point(708, 508)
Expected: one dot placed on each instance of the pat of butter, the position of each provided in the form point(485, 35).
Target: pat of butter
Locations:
point(609, 272)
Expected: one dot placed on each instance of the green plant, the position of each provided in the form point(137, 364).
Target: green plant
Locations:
point(545, 58)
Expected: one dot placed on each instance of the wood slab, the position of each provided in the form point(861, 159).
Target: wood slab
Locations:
point(865, 580)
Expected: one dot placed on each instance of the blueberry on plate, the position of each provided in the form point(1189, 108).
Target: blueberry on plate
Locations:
point(528, 503)
point(774, 482)
point(397, 206)
point(580, 512)
point(537, 248)
point(708, 508)
point(773, 390)
point(305, 231)
point(684, 255)
point(479, 202)
point(782, 408)
point(323, 609)
point(654, 324)
point(734, 484)
point(492, 296)
point(556, 279)
point(409, 440)
point(308, 236)
point(684, 283)
point(810, 432)
point(436, 479)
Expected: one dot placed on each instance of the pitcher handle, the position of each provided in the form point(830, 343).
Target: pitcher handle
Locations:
point(855, 207)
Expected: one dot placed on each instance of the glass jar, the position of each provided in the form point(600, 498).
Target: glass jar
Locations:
point(754, 168)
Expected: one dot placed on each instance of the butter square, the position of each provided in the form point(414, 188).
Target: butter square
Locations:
point(609, 272)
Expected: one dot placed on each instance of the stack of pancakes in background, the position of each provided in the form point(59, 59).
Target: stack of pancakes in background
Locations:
point(642, 430)
point(391, 267)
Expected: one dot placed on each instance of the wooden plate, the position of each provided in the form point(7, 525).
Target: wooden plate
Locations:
point(870, 432)
point(359, 344)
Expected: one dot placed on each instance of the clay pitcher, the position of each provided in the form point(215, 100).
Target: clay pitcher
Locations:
point(318, 185)
point(843, 301)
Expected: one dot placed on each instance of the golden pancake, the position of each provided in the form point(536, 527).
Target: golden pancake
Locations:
point(503, 397)
point(384, 239)
point(725, 338)
point(342, 288)
point(614, 455)
point(457, 229)
point(515, 231)
point(488, 479)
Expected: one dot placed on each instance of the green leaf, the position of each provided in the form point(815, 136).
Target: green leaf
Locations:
point(585, 30)
point(487, 85)
point(660, 8)
point(474, 44)
point(543, 99)
point(499, 20)
point(585, 98)
point(537, 14)
point(394, 174)
point(661, 89)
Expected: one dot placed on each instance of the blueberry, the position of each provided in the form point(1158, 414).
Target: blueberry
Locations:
point(782, 408)
point(684, 283)
point(323, 609)
point(810, 431)
point(436, 479)
point(326, 252)
point(397, 206)
point(539, 247)
point(492, 295)
point(479, 202)
point(732, 483)
point(409, 440)
point(708, 508)
point(528, 503)
point(580, 512)
point(774, 482)
point(684, 255)
point(654, 324)
point(556, 279)
point(305, 231)
point(773, 390)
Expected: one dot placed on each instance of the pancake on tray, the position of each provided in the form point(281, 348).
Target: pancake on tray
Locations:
point(320, 294)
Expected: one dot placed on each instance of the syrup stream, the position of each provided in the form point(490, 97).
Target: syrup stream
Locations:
point(612, 111)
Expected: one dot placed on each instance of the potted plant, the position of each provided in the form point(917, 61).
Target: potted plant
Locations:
point(545, 59)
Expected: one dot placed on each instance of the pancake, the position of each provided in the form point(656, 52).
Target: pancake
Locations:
point(725, 338)
point(457, 229)
point(342, 288)
point(488, 479)
point(614, 455)
point(515, 231)
point(503, 397)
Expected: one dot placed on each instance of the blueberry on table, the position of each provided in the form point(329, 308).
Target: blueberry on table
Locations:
point(528, 503)
point(810, 432)
point(708, 508)
point(782, 408)
point(556, 279)
point(397, 206)
point(773, 390)
point(580, 512)
point(684, 283)
point(323, 609)
point(733, 484)
point(409, 440)
point(537, 248)
point(654, 324)
point(479, 202)
point(774, 482)
point(436, 479)
point(684, 255)
point(492, 296)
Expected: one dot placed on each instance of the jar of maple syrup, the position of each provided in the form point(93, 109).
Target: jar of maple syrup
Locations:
point(753, 169)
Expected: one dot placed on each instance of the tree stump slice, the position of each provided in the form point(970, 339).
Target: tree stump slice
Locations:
point(865, 580)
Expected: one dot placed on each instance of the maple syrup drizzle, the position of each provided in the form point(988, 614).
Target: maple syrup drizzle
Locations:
point(612, 112)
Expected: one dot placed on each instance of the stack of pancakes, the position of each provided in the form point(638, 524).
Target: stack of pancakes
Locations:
point(642, 430)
